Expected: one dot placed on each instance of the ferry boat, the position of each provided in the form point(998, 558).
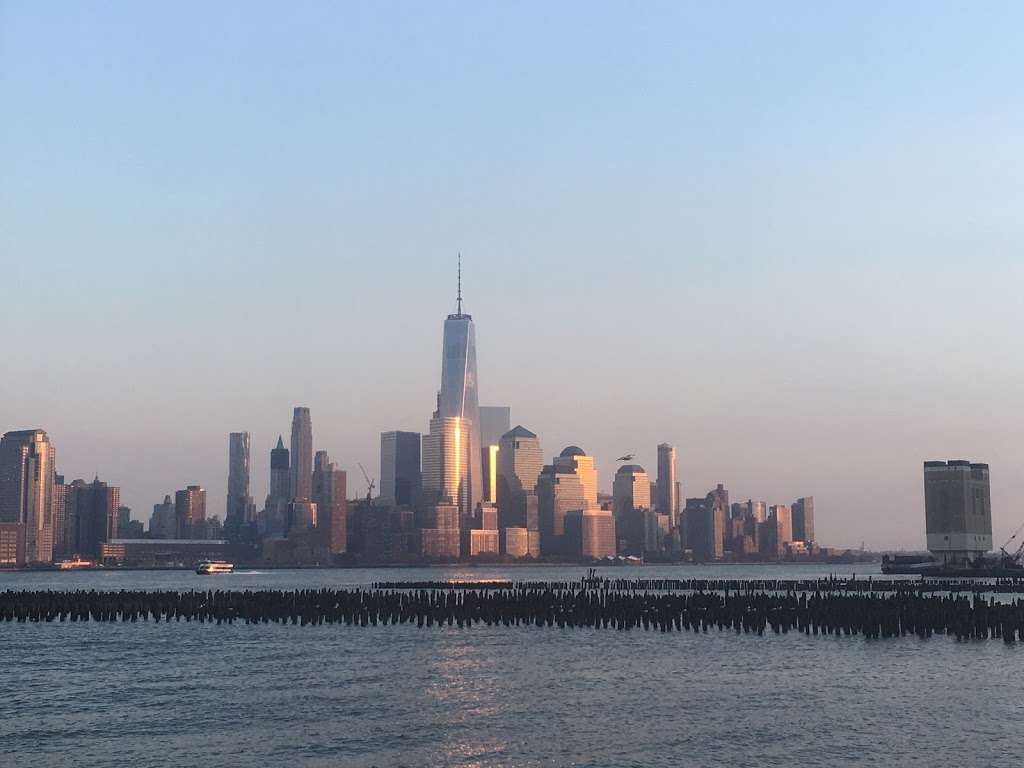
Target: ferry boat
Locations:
point(71, 565)
point(211, 567)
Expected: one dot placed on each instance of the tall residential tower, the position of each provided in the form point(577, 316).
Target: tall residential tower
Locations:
point(241, 510)
point(26, 490)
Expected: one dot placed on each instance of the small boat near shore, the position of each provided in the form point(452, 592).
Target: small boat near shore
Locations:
point(214, 567)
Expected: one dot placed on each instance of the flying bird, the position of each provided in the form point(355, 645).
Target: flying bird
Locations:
point(627, 457)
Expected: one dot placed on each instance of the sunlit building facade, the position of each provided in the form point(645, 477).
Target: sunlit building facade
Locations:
point(26, 490)
point(567, 485)
point(447, 465)
point(495, 421)
point(591, 533)
point(329, 496)
point(635, 521)
point(803, 519)
point(667, 501)
point(458, 404)
point(631, 489)
point(520, 460)
point(190, 511)
point(574, 460)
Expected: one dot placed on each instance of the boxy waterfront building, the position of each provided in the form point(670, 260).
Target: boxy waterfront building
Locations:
point(958, 510)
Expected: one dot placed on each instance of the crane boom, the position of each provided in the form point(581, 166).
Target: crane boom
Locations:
point(370, 484)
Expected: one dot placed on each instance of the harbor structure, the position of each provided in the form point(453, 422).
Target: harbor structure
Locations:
point(958, 510)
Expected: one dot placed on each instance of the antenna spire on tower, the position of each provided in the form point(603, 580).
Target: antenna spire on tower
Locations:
point(460, 283)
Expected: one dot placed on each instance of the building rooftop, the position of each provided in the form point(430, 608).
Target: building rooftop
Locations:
point(573, 450)
point(631, 469)
point(518, 431)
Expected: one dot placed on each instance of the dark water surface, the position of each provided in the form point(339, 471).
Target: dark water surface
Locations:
point(265, 695)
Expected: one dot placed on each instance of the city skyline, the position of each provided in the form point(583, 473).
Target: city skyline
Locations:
point(804, 276)
point(301, 432)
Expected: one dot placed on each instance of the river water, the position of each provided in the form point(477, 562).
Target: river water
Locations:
point(186, 694)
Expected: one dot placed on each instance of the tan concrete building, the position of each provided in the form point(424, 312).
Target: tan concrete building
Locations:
point(573, 460)
point(591, 533)
point(480, 542)
point(520, 542)
point(559, 492)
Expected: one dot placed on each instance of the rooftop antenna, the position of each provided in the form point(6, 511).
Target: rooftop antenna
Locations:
point(460, 283)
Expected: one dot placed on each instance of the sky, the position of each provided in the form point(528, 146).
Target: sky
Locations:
point(784, 237)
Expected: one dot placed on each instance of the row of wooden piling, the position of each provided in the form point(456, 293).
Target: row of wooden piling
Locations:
point(824, 584)
point(810, 613)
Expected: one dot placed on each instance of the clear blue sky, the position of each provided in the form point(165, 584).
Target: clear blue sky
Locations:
point(785, 237)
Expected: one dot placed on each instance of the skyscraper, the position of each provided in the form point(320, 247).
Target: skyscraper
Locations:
point(705, 521)
point(590, 533)
point(520, 460)
point(447, 458)
point(567, 485)
point(96, 506)
point(634, 520)
point(783, 514)
point(495, 421)
point(302, 455)
point(276, 506)
point(63, 541)
point(190, 511)
point(26, 490)
point(668, 498)
point(163, 524)
point(332, 505)
point(399, 468)
point(241, 511)
point(776, 531)
point(573, 459)
point(459, 399)
point(803, 519)
point(631, 489)
point(958, 510)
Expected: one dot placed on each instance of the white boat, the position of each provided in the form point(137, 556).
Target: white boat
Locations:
point(211, 567)
point(70, 565)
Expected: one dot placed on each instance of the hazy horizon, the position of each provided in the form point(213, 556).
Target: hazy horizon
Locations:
point(784, 240)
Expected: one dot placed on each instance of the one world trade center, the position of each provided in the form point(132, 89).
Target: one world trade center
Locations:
point(452, 458)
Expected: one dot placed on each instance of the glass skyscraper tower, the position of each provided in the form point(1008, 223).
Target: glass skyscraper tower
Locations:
point(459, 399)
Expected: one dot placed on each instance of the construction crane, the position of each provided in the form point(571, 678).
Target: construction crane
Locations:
point(1013, 559)
point(371, 484)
